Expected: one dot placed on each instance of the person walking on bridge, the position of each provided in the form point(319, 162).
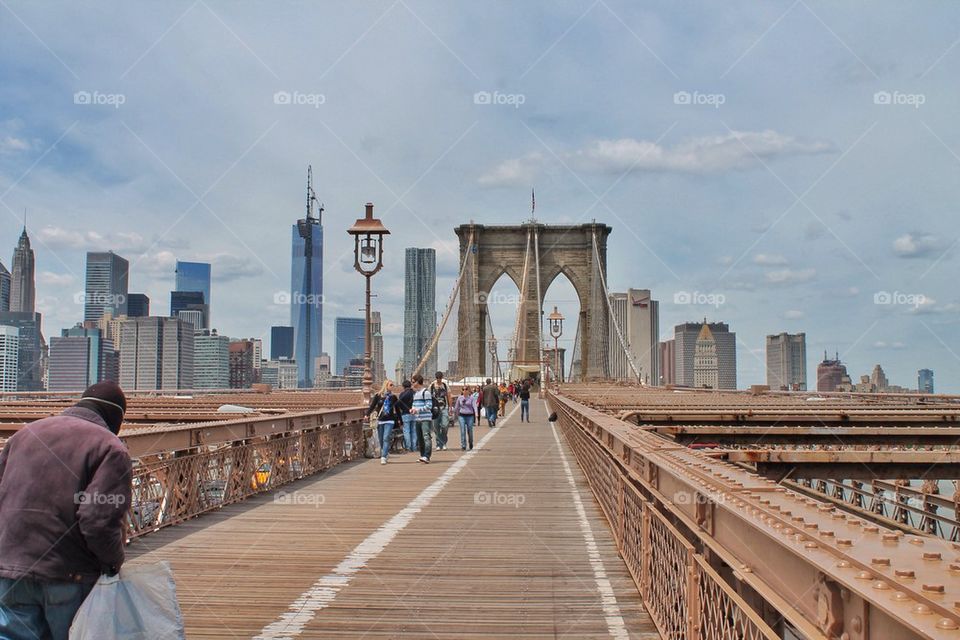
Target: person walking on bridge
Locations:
point(466, 410)
point(423, 411)
point(405, 407)
point(524, 394)
point(490, 396)
point(65, 487)
point(441, 393)
point(384, 404)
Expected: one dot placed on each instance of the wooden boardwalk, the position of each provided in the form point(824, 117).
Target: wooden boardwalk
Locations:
point(505, 542)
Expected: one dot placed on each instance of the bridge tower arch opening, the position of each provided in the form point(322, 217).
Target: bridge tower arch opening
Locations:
point(562, 293)
point(533, 255)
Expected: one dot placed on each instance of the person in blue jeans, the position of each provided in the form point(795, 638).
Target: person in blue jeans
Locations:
point(405, 407)
point(384, 405)
point(525, 402)
point(465, 408)
point(65, 488)
point(423, 414)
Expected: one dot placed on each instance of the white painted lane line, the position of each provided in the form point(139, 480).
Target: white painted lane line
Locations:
point(319, 596)
point(611, 608)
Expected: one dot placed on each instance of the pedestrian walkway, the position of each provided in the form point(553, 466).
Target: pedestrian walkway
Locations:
point(505, 541)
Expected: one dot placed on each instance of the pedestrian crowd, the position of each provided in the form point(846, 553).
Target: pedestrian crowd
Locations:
point(422, 414)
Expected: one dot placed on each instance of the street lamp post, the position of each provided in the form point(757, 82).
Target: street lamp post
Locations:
point(556, 330)
point(492, 348)
point(368, 233)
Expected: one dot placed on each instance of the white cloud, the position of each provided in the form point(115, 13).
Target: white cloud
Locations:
point(793, 314)
point(790, 276)
point(56, 237)
point(55, 279)
point(769, 259)
point(12, 144)
point(883, 344)
point(516, 172)
point(917, 245)
point(707, 154)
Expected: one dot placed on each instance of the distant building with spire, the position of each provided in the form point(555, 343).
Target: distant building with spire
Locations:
point(23, 289)
point(706, 372)
point(831, 374)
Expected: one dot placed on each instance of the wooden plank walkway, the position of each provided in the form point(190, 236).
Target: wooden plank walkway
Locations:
point(505, 542)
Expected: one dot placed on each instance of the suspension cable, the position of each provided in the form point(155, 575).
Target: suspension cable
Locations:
point(613, 316)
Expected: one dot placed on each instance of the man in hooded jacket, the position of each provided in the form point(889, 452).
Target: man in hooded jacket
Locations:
point(64, 494)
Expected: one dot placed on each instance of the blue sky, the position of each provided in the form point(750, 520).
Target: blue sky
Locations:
point(738, 150)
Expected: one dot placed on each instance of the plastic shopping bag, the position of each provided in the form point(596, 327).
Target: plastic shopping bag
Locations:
point(138, 604)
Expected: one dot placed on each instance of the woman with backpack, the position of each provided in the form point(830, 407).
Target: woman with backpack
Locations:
point(388, 417)
point(465, 408)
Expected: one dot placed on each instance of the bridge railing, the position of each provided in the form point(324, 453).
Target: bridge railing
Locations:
point(684, 595)
point(173, 486)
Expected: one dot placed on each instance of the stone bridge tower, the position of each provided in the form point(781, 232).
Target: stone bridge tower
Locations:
point(574, 250)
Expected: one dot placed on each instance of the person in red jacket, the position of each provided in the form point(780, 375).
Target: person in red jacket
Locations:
point(64, 494)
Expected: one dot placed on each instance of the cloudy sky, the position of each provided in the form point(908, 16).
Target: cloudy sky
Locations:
point(785, 166)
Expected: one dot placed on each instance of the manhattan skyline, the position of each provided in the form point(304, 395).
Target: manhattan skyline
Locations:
point(813, 187)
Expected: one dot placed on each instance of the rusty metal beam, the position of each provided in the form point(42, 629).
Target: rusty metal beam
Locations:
point(846, 463)
point(780, 435)
point(819, 567)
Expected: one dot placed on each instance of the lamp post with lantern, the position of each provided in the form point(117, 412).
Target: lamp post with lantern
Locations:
point(368, 233)
point(556, 330)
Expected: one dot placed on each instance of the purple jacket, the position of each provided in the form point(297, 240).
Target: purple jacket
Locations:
point(64, 494)
point(465, 405)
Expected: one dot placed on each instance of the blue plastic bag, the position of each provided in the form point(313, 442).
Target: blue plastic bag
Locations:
point(140, 603)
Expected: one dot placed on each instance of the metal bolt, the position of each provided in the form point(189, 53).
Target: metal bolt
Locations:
point(881, 561)
point(946, 624)
point(890, 537)
point(845, 542)
point(904, 573)
point(931, 555)
point(933, 588)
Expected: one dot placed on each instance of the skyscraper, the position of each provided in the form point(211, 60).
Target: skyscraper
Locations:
point(668, 362)
point(4, 288)
point(138, 305)
point(156, 353)
point(192, 302)
point(925, 381)
point(685, 343)
point(378, 370)
point(638, 317)
point(281, 343)
point(193, 277)
point(30, 357)
point(79, 357)
point(419, 308)
point(831, 374)
point(787, 361)
point(211, 360)
point(23, 287)
point(349, 339)
point(706, 372)
point(106, 287)
point(306, 288)
point(9, 357)
point(241, 364)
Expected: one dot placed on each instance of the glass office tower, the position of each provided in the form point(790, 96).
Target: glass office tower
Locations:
point(306, 296)
point(193, 276)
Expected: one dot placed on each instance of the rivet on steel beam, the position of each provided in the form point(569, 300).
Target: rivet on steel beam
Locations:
point(843, 564)
point(946, 624)
point(921, 610)
point(788, 532)
point(933, 588)
point(890, 537)
point(845, 542)
point(932, 555)
point(810, 545)
point(954, 566)
point(881, 561)
point(864, 575)
point(811, 525)
point(826, 533)
point(871, 528)
point(798, 518)
point(855, 523)
point(904, 573)
point(900, 596)
point(880, 585)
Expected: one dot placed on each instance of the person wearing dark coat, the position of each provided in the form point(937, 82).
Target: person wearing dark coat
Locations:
point(65, 489)
point(405, 407)
point(384, 406)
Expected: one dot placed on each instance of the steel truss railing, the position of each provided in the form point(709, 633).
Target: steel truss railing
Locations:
point(917, 509)
point(684, 595)
point(174, 486)
point(719, 553)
